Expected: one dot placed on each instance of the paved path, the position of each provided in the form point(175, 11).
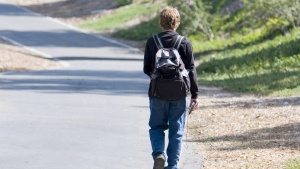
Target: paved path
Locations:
point(91, 114)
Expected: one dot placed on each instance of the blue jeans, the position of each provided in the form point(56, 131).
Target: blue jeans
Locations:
point(167, 115)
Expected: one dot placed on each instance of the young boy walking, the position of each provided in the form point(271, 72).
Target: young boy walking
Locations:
point(169, 113)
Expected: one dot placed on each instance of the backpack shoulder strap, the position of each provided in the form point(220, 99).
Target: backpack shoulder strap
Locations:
point(157, 42)
point(176, 46)
point(178, 42)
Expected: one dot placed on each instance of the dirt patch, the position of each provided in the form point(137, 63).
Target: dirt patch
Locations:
point(69, 11)
point(238, 131)
point(14, 58)
point(66, 8)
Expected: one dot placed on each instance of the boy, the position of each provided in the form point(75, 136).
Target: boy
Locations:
point(169, 114)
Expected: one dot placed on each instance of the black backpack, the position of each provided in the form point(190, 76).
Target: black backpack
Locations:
point(169, 80)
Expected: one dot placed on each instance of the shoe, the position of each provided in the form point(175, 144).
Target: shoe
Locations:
point(159, 161)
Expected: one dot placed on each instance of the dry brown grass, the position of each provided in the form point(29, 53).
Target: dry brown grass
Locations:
point(238, 131)
point(14, 58)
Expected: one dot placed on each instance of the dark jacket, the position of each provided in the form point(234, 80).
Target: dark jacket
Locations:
point(168, 39)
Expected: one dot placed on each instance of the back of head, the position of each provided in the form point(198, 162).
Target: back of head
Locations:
point(169, 18)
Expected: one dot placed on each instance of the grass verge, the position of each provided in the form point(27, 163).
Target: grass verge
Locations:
point(270, 67)
point(293, 164)
point(140, 32)
point(118, 19)
point(256, 63)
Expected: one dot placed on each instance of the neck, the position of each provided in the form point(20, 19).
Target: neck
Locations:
point(168, 30)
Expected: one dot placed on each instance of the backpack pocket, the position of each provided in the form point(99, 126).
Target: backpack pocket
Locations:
point(171, 89)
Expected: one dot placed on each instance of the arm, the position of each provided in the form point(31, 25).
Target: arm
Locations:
point(147, 60)
point(192, 75)
point(190, 65)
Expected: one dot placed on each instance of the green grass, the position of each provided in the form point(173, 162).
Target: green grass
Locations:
point(122, 16)
point(260, 61)
point(273, 84)
point(123, 2)
point(140, 32)
point(293, 164)
point(267, 68)
point(237, 41)
point(252, 63)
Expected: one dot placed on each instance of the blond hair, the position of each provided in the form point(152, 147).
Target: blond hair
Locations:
point(169, 18)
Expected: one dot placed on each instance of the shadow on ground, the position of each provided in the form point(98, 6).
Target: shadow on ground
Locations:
point(75, 58)
point(259, 103)
point(77, 81)
point(58, 38)
point(284, 136)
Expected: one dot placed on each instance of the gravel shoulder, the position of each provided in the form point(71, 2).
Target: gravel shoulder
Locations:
point(231, 130)
point(241, 131)
point(15, 58)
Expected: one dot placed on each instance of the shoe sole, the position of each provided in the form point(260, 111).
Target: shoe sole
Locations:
point(159, 163)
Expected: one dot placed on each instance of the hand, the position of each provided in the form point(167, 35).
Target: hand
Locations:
point(196, 101)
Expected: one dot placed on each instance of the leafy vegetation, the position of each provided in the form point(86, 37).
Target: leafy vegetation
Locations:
point(257, 55)
point(194, 17)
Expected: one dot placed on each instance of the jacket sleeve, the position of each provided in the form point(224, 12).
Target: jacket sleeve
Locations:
point(190, 65)
point(147, 60)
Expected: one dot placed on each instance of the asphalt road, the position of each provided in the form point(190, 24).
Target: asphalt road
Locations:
point(91, 114)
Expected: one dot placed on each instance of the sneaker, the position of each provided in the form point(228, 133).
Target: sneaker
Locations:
point(159, 162)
